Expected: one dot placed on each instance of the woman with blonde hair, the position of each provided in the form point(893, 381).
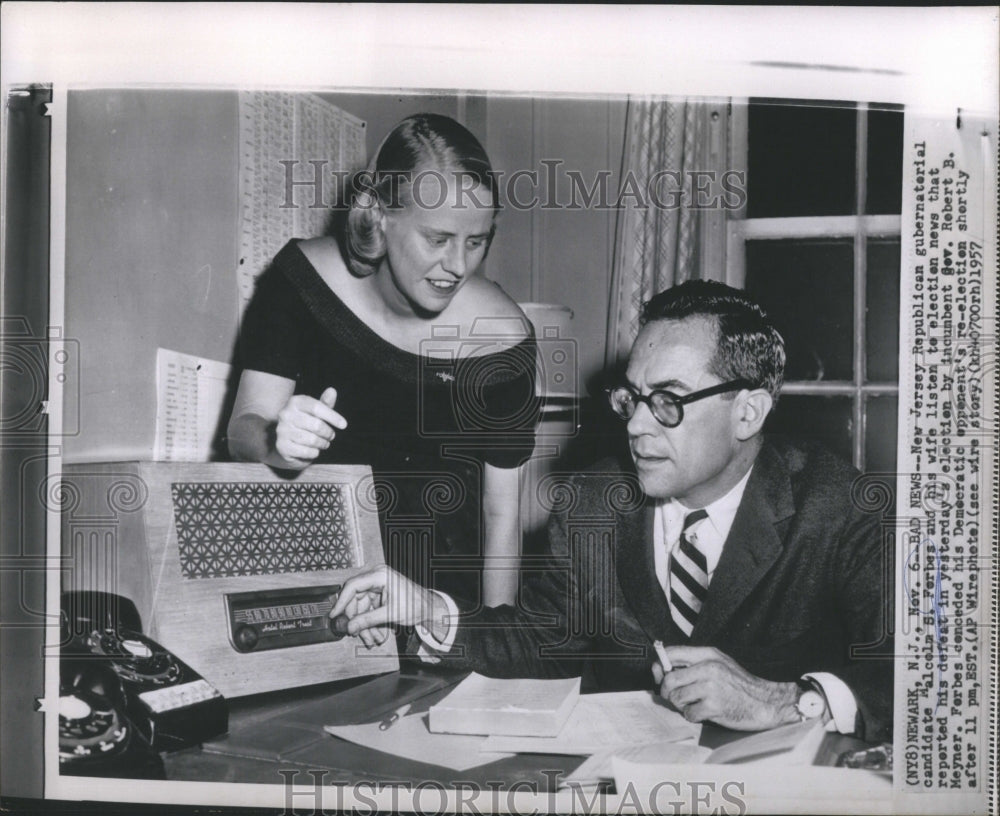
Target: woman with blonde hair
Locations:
point(386, 346)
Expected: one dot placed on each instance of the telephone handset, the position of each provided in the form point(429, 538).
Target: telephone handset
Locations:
point(121, 692)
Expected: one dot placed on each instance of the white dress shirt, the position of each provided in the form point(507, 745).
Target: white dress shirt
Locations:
point(668, 521)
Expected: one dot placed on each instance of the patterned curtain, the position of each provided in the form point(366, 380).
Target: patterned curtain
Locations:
point(665, 238)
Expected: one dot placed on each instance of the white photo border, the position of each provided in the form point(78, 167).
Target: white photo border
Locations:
point(938, 62)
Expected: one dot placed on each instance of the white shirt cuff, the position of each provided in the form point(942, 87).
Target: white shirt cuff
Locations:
point(840, 699)
point(431, 649)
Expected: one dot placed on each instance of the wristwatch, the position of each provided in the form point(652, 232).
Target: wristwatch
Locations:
point(811, 703)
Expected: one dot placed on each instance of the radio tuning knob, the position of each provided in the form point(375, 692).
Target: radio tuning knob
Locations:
point(338, 626)
point(246, 639)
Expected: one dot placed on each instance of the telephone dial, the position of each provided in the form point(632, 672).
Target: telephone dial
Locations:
point(122, 697)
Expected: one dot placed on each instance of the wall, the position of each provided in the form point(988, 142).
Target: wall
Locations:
point(151, 220)
point(558, 251)
point(382, 111)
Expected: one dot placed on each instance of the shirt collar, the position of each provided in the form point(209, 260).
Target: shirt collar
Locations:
point(721, 512)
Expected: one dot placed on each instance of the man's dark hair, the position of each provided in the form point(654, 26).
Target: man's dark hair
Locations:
point(747, 345)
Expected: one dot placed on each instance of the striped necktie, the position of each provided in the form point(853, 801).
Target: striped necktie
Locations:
point(688, 578)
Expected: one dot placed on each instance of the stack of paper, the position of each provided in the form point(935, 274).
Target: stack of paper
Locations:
point(629, 736)
point(484, 705)
point(601, 722)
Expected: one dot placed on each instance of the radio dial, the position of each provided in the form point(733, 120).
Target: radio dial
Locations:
point(246, 638)
point(279, 618)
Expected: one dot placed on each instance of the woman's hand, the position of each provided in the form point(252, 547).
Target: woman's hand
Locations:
point(307, 426)
point(270, 424)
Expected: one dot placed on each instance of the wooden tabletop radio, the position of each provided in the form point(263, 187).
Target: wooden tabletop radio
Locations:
point(232, 567)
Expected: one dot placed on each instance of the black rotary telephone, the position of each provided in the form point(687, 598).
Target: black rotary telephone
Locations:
point(123, 697)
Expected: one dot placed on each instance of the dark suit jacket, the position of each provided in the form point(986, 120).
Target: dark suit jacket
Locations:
point(804, 584)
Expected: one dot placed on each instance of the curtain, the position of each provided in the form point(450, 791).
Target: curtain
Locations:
point(665, 233)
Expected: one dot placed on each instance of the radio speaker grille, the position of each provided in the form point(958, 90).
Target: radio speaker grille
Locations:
point(232, 529)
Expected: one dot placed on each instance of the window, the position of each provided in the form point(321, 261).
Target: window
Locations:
point(818, 244)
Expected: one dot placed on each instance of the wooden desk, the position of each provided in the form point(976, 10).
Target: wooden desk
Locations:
point(273, 736)
point(283, 732)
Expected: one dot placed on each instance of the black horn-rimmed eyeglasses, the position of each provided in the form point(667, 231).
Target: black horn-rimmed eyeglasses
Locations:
point(666, 407)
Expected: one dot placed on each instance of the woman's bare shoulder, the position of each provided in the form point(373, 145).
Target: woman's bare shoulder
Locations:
point(486, 302)
point(317, 247)
point(324, 255)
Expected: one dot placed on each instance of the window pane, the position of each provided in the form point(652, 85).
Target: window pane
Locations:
point(800, 159)
point(826, 420)
point(882, 311)
point(885, 162)
point(880, 434)
point(806, 286)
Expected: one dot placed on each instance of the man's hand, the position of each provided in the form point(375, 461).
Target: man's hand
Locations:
point(361, 603)
point(706, 684)
point(374, 600)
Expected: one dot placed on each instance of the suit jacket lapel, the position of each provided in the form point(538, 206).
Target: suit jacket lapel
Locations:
point(752, 546)
point(637, 572)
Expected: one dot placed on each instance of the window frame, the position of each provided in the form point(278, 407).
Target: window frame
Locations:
point(859, 227)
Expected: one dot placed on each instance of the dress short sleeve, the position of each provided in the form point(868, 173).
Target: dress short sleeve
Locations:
point(270, 334)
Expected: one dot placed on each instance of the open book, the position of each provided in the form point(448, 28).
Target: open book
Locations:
point(484, 705)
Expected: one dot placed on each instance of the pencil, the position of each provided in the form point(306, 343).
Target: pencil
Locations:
point(388, 721)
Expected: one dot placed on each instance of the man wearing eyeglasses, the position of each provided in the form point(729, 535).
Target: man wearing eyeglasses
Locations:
point(745, 557)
